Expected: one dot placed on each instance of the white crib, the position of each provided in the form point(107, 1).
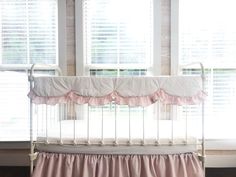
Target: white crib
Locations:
point(117, 120)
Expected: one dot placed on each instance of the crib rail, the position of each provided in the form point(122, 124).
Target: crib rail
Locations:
point(115, 125)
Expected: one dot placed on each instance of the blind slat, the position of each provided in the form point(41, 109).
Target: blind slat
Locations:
point(109, 32)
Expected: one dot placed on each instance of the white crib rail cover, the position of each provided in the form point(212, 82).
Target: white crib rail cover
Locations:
point(132, 91)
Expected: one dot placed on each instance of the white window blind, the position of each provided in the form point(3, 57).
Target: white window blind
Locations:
point(28, 31)
point(117, 41)
point(118, 34)
point(28, 35)
point(208, 34)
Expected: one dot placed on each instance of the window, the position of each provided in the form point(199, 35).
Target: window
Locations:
point(28, 32)
point(28, 35)
point(207, 34)
point(117, 38)
point(113, 43)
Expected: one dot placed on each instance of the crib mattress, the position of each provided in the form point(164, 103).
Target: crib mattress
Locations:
point(141, 150)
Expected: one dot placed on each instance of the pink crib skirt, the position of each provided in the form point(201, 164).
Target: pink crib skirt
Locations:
point(94, 165)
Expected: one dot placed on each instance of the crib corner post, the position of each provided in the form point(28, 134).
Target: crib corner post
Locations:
point(203, 156)
point(31, 155)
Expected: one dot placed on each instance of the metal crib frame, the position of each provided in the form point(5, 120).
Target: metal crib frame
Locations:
point(33, 155)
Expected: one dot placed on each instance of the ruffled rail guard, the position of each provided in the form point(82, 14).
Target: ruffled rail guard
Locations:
point(132, 91)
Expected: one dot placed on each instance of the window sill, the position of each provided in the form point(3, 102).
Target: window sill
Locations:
point(220, 144)
point(219, 153)
point(11, 145)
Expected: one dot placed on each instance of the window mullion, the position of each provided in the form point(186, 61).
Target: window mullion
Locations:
point(118, 47)
point(0, 35)
point(27, 32)
point(114, 38)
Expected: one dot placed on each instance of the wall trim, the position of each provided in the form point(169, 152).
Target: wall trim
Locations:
point(62, 39)
point(174, 45)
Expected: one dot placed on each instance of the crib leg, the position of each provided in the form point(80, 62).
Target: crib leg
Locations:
point(33, 156)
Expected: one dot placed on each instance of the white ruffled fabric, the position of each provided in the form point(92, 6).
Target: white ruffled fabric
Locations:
point(132, 91)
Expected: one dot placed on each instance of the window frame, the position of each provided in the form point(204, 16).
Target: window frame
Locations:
point(82, 68)
point(61, 42)
point(211, 144)
point(61, 62)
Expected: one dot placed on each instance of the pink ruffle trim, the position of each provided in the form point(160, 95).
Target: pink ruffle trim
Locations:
point(115, 97)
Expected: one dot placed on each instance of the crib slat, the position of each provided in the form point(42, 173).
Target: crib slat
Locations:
point(54, 114)
point(61, 109)
point(186, 124)
point(165, 112)
point(172, 129)
point(51, 117)
point(74, 122)
point(116, 142)
point(88, 126)
point(46, 117)
point(36, 111)
point(130, 141)
point(102, 127)
point(158, 122)
point(42, 119)
point(143, 143)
